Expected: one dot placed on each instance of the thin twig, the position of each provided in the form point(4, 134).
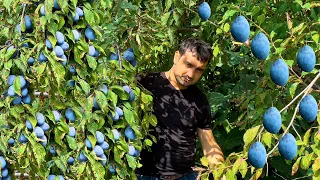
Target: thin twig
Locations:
point(279, 175)
point(259, 135)
point(296, 132)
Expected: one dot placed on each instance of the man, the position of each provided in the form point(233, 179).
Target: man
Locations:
point(183, 113)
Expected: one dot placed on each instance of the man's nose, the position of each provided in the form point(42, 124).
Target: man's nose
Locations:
point(191, 73)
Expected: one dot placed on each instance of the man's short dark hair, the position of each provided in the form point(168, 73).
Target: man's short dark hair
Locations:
point(202, 50)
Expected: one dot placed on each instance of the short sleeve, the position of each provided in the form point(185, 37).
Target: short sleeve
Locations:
point(205, 121)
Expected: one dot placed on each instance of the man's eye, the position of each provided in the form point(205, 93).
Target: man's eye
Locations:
point(201, 70)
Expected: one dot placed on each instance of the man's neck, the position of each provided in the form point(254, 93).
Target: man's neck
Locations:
point(172, 79)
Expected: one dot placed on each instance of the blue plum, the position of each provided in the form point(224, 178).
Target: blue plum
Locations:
point(257, 155)
point(272, 120)
point(308, 108)
point(204, 11)
point(260, 46)
point(306, 58)
point(288, 147)
point(279, 72)
point(240, 29)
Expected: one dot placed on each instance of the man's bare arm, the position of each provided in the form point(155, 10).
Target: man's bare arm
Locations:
point(210, 147)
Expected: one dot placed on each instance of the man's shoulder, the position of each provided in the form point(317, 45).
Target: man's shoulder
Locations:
point(148, 79)
point(199, 95)
point(149, 75)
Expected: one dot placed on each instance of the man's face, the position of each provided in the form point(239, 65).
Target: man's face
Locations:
point(187, 68)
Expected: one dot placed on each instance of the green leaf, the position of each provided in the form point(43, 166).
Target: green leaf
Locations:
point(204, 161)
point(98, 169)
point(72, 142)
point(92, 62)
point(237, 164)
point(21, 149)
point(61, 165)
point(306, 161)
point(17, 86)
point(230, 175)
point(295, 166)
point(128, 115)
point(243, 169)
point(16, 111)
point(81, 167)
point(226, 27)
point(41, 68)
point(293, 89)
point(148, 142)
point(153, 120)
point(39, 153)
point(306, 137)
point(89, 16)
point(261, 18)
point(101, 99)
point(228, 14)
point(116, 153)
point(58, 135)
point(113, 97)
point(255, 10)
point(280, 164)
point(168, 4)
point(267, 139)
point(131, 161)
point(164, 18)
point(250, 134)
point(306, 6)
point(315, 37)
point(315, 165)
point(122, 94)
point(84, 85)
point(298, 28)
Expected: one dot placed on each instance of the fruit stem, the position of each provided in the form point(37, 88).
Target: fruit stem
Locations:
point(119, 57)
point(296, 132)
point(22, 16)
point(259, 139)
point(306, 90)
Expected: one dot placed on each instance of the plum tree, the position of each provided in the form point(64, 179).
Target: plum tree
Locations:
point(306, 58)
point(279, 72)
point(240, 29)
point(204, 11)
point(257, 155)
point(260, 46)
point(308, 108)
point(272, 120)
point(288, 147)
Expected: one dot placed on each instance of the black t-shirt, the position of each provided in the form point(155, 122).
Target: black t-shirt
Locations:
point(179, 114)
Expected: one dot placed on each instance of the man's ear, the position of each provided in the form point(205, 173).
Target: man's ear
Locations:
point(176, 57)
